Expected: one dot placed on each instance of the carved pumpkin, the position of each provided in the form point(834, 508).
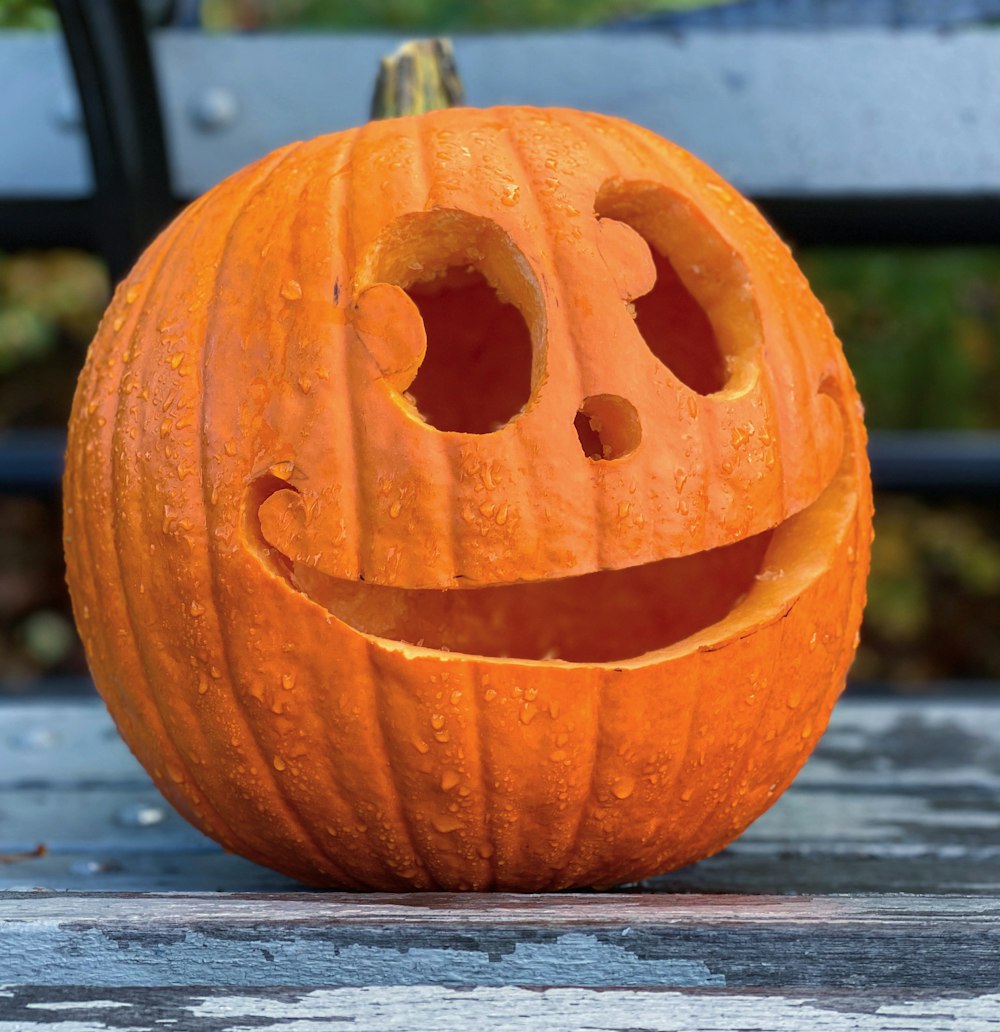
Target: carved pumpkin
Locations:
point(474, 501)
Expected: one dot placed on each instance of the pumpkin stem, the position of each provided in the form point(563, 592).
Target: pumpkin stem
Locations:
point(420, 76)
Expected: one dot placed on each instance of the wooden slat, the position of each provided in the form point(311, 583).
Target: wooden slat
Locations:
point(504, 1009)
point(872, 942)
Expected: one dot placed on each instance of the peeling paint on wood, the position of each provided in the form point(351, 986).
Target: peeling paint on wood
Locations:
point(502, 1009)
point(334, 939)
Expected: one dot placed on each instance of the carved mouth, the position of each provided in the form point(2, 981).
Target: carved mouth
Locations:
point(599, 617)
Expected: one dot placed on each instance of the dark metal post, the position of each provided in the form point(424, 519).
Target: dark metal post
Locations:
point(114, 73)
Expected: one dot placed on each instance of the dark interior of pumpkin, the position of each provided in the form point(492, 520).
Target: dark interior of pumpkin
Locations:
point(592, 618)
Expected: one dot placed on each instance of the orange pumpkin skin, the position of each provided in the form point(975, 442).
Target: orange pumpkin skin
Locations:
point(326, 626)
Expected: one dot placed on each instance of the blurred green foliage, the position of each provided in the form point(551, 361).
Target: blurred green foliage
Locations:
point(27, 14)
point(933, 594)
point(427, 15)
point(921, 329)
point(50, 303)
point(400, 15)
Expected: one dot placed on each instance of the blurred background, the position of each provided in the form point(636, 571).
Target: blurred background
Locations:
point(921, 327)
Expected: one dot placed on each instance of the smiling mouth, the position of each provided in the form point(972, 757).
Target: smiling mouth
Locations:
point(599, 617)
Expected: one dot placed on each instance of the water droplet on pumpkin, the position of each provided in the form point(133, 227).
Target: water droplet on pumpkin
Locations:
point(279, 763)
point(175, 775)
point(686, 794)
point(528, 712)
point(420, 745)
point(449, 779)
point(118, 323)
point(196, 609)
point(437, 721)
point(288, 682)
point(511, 195)
point(395, 508)
point(485, 850)
point(446, 824)
point(292, 290)
point(132, 293)
point(807, 731)
point(725, 194)
point(202, 684)
point(623, 787)
point(794, 700)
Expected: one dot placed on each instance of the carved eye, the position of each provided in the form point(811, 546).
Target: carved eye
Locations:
point(447, 323)
point(680, 267)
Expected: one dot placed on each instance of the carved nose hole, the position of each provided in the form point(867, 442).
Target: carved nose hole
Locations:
point(608, 427)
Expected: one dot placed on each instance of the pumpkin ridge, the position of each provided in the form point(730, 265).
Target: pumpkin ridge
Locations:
point(746, 755)
point(278, 793)
point(229, 672)
point(357, 448)
point(553, 284)
point(190, 783)
point(402, 818)
point(345, 408)
point(478, 740)
point(450, 538)
point(660, 155)
point(83, 561)
point(587, 800)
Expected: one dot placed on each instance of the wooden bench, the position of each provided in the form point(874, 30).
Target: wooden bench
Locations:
point(867, 898)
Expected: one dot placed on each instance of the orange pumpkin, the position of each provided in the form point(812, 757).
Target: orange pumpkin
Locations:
point(470, 501)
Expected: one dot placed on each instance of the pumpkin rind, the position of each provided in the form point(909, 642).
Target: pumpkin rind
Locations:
point(231, 408)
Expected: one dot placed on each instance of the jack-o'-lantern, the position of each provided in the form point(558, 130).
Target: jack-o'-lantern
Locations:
point(474, 501)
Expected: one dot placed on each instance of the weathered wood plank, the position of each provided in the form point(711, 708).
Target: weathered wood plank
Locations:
point(439, 1009)
point(312, 939)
